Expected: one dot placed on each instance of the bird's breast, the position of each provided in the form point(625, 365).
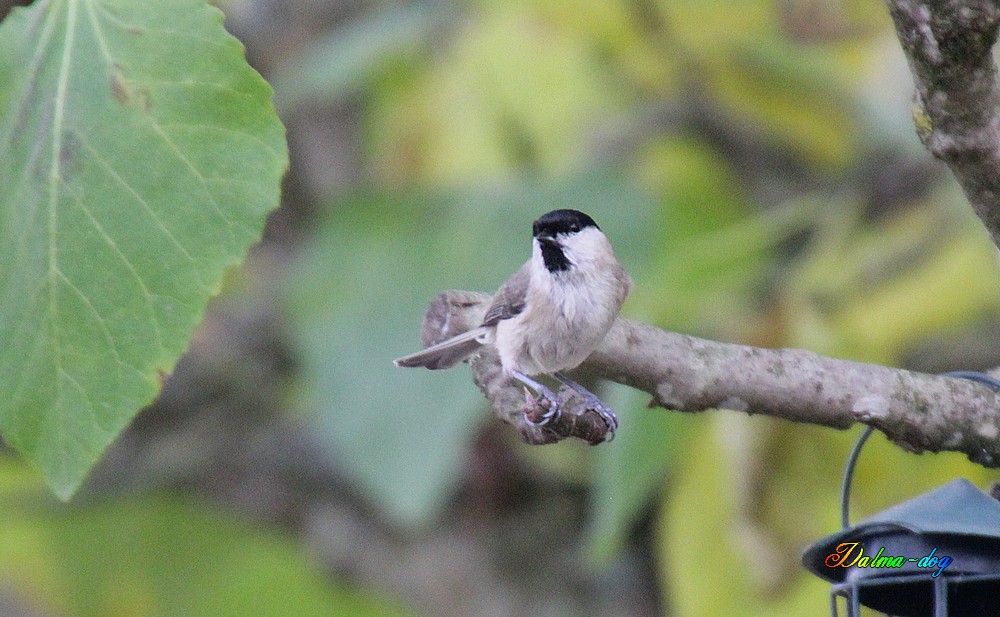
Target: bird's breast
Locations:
point(562, 323)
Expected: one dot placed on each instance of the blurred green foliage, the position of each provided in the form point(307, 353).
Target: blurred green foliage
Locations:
point(157, 555)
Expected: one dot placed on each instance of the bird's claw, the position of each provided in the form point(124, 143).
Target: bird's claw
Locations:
point(607, 414)
point(545, 401)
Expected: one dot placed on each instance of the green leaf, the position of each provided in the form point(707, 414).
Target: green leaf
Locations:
point(354, 302)
point(139, 154)
point(357, 298)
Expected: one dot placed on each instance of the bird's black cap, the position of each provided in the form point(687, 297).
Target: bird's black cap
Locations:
point(561, 222)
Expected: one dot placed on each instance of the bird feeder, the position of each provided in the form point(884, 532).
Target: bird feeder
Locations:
point(937, 554)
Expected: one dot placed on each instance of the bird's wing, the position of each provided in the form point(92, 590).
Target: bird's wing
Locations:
point(509, 299)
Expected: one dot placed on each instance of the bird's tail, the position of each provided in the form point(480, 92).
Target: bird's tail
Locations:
point(446, 354)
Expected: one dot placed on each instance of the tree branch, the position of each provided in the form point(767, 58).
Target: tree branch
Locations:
point(948, 45)
point(919, 412)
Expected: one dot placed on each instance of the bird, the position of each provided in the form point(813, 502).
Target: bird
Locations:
point(550, 315)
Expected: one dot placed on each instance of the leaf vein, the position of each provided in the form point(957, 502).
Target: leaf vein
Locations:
point(146, 293)
point(54, 180)
point(97, 317)
point(113, 173)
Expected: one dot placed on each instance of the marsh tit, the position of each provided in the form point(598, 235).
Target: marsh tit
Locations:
point(551, 314)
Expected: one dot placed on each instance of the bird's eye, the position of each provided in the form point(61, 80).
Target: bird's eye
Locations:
point(575, 227)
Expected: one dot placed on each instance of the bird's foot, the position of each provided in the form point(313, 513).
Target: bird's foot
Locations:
point(544, 410)
point(606, 413)
point(592, 403)
point(544, 398)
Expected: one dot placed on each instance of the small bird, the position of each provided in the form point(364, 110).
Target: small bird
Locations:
point(549, 315)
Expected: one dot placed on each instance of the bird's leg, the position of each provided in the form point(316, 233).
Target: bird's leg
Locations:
point(592, 402)
point(547, 397)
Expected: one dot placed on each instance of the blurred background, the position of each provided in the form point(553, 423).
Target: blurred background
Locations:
point(755, 165)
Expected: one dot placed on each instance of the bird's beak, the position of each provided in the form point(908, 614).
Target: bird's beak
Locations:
point(545, 238)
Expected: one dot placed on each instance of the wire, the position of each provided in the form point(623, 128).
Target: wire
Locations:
point(852, 458)
point(845, 483)
point(975, 376)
